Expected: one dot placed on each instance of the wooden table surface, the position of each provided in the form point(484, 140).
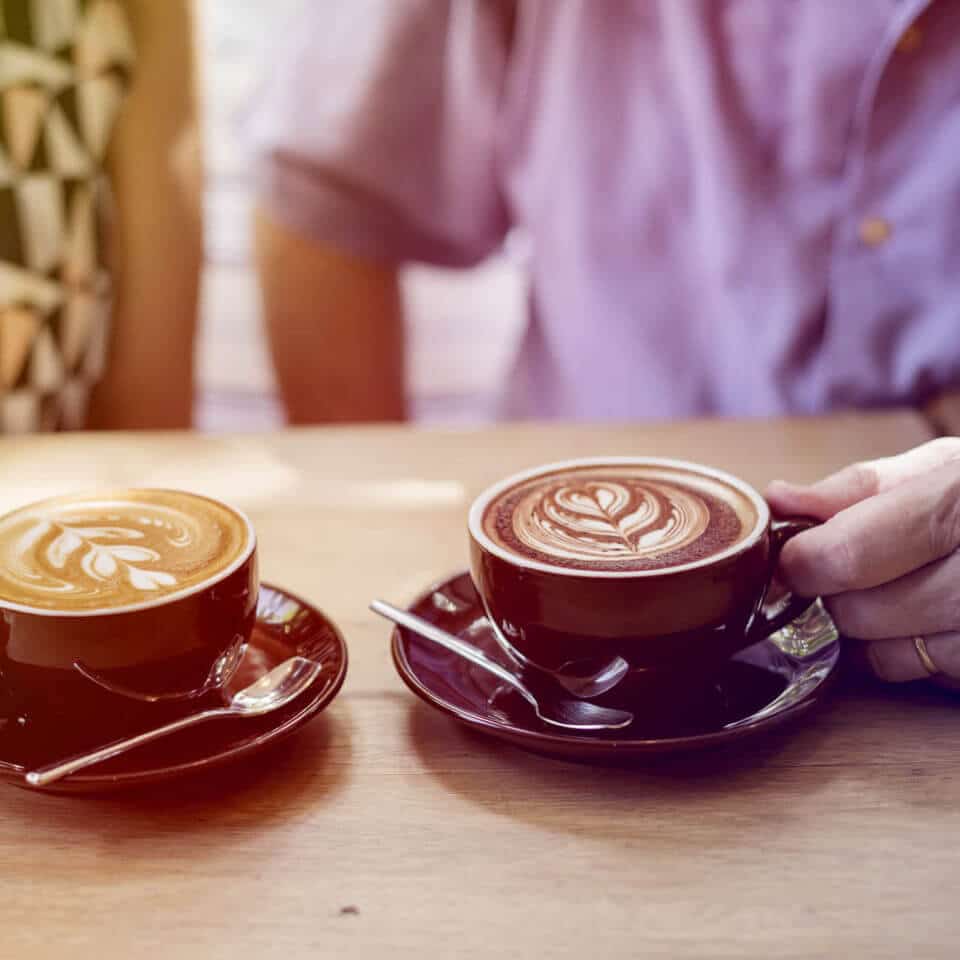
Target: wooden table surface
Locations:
point(834, 839)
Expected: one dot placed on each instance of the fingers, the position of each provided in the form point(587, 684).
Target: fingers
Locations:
point(897, 661)
point(886, 558)
point(827, 497)
point(861, 480)
point(925, 601)
point(878, 539)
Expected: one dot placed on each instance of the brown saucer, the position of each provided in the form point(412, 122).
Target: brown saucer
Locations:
point(286, 626)
point(756, 690)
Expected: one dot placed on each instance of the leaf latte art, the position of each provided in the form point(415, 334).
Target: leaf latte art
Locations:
point(610, 520)
point(86, 553)
point(621, 517)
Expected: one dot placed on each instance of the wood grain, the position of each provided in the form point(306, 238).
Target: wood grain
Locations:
point(385, 830)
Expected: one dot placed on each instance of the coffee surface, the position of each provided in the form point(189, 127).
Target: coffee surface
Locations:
point(118, 549)
point(619, 517)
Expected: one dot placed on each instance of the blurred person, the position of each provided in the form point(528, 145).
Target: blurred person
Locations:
point(735, 207)
point(100, 235)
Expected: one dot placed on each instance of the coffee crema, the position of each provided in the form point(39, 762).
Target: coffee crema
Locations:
point(619, 517)
point(117, 549)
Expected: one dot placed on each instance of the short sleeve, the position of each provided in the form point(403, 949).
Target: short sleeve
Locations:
point(376, 128)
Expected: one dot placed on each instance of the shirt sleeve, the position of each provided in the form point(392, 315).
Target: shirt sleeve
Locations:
point(375, 130)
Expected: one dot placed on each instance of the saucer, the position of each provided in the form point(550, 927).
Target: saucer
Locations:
point(762, 687)
point(286, 626)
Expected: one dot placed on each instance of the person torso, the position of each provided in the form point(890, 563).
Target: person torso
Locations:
point(735, 206)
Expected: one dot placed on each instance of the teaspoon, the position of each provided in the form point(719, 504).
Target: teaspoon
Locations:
point(575, 676)
point(567, 714)
point(271, 692)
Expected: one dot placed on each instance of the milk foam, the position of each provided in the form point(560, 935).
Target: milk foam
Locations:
point(619, 517)
point(600, 520)
point(119, 549)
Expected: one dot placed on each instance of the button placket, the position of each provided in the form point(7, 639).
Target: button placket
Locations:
point(875, 231)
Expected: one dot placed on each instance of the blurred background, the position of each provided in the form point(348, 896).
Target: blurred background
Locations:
point(463, 325)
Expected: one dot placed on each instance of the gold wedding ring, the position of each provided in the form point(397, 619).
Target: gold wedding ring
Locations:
point(920, 645)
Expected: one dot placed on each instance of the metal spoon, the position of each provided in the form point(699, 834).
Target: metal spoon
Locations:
point(575, 676)
point(566, 714)
point(271, 692)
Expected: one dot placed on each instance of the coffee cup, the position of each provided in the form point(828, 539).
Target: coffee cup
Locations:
point(116, 604)
point(666, 563)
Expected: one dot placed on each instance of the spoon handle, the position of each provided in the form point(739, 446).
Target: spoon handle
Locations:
point(448, 640)
point(55, 771)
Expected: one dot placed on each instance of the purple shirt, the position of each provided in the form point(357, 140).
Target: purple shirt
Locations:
point(740, 207)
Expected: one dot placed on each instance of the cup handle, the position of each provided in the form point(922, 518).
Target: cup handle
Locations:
point(764, 624)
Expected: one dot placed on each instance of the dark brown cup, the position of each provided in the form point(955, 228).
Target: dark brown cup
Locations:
point(133, 663)
point(684, 616)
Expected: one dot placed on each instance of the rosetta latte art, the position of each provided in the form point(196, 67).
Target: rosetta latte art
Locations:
point(621, 517)
point(600, 520)
point(110, 552)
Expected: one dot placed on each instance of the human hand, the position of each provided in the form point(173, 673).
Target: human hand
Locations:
point(886, 559)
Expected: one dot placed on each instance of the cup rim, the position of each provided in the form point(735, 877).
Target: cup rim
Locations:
point(479, 505)
point(161, 601)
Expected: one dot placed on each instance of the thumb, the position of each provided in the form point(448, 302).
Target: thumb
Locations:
point(859, 481)
point(827, 497)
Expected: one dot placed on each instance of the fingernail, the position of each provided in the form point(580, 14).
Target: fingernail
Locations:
point(781, 490)
point(785, 499)
point(785, 486)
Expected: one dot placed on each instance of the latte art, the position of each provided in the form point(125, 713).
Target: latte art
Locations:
point(600, 520)
point(87, 553)
point(621, 517)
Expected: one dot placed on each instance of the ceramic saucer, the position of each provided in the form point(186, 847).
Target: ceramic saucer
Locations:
point(759, 688)
point(286, 626)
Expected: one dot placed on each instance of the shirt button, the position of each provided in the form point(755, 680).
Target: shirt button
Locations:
point(875, 231)
point(910, 39)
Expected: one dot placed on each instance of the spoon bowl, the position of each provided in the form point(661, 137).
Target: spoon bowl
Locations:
point(275, 689)
point(573, 715)
point(583, 679)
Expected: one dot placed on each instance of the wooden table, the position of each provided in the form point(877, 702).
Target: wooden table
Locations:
point(837, 839)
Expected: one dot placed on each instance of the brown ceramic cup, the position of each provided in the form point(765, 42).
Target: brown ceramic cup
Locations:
point(691, 614)
point(136, 660)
